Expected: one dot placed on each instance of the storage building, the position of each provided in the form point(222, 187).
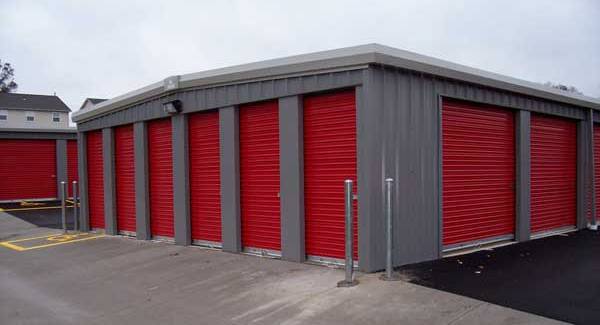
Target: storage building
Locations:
point(34, 162)
point(254, 157)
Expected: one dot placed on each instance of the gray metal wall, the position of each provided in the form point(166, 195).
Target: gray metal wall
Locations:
point(402, 133)
point(37, 135)
point(227, 95)
point(398, 126)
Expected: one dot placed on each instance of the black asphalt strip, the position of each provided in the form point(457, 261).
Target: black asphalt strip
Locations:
point(556, 277)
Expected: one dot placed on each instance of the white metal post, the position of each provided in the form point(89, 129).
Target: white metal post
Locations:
point(349, 280)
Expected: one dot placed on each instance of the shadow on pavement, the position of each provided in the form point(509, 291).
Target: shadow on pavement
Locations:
point(42, 214)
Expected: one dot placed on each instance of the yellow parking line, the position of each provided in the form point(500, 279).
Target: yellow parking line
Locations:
point(60, 243)
point(32, 238)
point(11, 246)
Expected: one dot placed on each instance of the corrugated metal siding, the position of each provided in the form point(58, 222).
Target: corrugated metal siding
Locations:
point(125, 178)
point(259, 175)
point(72, 165)
point(553, 172)
point(160, 170)
point(228, 95)
point(27, 169)
point(95, 179)
point(329, 159)
point(205, 176)
point(478, 172)
point(398, 137)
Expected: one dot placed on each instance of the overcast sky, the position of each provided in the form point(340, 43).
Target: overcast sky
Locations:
point(105, 48)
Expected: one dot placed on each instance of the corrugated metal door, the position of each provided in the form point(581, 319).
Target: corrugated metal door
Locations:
point(125, 178)
point(329, 159)
point(27, 169)
point(478, 173)
point(597, 169)
point(205, 176)
point(95, 170)
point(259, 175)
point(160, 165)
point(72, 165)
point(553, 172)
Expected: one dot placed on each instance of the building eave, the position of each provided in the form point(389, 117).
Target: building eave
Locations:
point(345, 58)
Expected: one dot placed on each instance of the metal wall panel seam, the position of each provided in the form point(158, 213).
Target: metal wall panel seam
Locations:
point(142, 193)
point(523, 176)
point(181, 199)
point(110, 212)
point(83, 181)
point(230, 178)
point(292, 178)
point(72, 164)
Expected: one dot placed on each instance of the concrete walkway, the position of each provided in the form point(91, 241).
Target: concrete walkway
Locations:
point(115, 280)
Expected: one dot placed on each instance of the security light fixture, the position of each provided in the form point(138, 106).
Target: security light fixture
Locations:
point(172, 107)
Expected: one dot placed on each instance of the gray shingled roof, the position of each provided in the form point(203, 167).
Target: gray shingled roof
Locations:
point(344, 58)
point(32, 102)
point(96, 100)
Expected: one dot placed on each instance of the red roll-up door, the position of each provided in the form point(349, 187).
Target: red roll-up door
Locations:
point(597, 169)
point(259, 175)
point(478, 172)
point(27, 169)
point(205, 176)
point(329, 159)
point(553, 173)
point(160, 165)
point(72, 165)
point(95, 167)
point(125, 178)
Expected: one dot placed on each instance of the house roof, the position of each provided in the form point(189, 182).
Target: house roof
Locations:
point(341, 59)
point(31, 102)
point(93, 101)
point(96, 100)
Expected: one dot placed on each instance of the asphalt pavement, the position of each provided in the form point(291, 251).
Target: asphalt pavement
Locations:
point(556, 277)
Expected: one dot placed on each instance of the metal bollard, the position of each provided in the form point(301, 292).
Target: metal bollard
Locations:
point(63, 200)
point(389, 274)
point(75, 221)
point(349, 280)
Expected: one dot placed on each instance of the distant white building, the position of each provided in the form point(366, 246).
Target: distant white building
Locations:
point(90, 102)
point(27, 111)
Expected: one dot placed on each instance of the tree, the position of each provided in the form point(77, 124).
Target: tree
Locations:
point(562, 87)
point(7, 82)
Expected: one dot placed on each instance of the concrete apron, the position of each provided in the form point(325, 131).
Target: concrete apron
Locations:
point(116, 280)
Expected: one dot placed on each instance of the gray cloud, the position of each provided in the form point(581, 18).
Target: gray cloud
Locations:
point(104, 48)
